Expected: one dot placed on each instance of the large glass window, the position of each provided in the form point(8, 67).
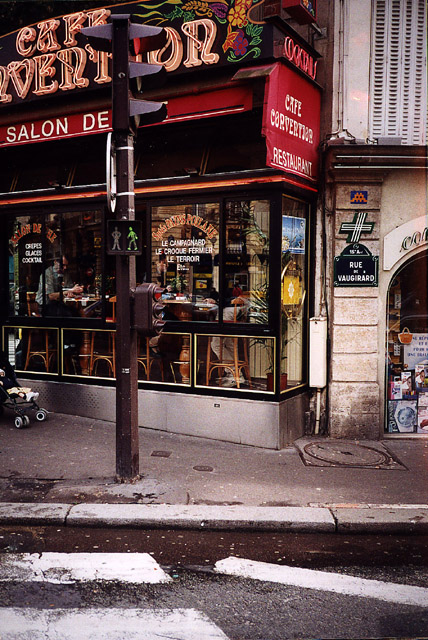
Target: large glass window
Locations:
point(55, 264)
point(185, 259)
point(293, 292)
point(246, 261)
point(235, 361)
point(407, 349)
point(32, 349)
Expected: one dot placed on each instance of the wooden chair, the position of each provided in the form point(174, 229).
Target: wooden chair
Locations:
point(102, 352)
point(38, 339)
point(240, 362)
point(145, 360)
point(99, 351)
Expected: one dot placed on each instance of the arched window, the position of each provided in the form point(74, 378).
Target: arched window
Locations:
point(407, 348)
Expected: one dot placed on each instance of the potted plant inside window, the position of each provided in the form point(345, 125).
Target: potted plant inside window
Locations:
point(178, 284)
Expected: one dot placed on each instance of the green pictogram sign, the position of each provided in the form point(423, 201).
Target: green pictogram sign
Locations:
point(124, 237)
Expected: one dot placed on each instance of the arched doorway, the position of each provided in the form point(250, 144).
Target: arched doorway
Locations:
point(407, 348)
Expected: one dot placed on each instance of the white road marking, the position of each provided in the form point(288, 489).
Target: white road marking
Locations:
point(324, 581)
point(63, 568)
point(114, 624)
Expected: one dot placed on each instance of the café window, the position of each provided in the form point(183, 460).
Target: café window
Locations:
point(246, 265)
point(293, 291)
point(186, 243)
point(185, 259)
point(55, 264)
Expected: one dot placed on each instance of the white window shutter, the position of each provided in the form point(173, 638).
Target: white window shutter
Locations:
point(398, 105)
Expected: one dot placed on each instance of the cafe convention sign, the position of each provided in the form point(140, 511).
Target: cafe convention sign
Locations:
point(52, 58)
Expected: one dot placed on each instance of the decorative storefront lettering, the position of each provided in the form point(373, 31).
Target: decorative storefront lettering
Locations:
point(410, 236)
point(56, 128)
point(300, 58)
point(183, 219)
point(55, 58)
point(418, 238)
point(54, 68)
point(291, 123)
point(28, 228)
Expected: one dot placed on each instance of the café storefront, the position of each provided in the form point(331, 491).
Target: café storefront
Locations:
point(224, 191)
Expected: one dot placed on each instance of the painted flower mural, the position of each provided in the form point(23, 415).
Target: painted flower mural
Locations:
point(244, 31)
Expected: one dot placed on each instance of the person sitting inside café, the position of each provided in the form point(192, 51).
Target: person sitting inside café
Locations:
point(59, 284)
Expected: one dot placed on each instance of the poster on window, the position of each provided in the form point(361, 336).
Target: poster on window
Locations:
point(417, 351)
point(402, 416)
point(293, 234)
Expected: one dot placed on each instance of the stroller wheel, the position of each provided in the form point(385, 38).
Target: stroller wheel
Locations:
point(19, 422)
point(41, 415)
point(26, 420)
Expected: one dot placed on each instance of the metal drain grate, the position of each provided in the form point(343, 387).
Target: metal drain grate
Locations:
point(344, 453)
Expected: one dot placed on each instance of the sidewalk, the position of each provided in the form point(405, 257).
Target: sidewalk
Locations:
point(68, 462)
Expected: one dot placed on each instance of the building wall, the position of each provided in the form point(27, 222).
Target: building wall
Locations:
point(258, 423)
point(354, 325)
point(358, 314)
point(352, 26)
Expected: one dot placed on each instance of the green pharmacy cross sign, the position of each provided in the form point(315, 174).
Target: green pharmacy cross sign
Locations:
point(124, 237)
point(358, 226)
point(356, 267)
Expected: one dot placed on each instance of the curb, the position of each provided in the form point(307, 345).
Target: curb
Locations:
point(372, 520)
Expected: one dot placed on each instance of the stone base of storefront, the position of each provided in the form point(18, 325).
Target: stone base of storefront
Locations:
point(260, 423)
point(355, 410)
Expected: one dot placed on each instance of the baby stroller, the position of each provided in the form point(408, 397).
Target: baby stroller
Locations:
point(19, 405)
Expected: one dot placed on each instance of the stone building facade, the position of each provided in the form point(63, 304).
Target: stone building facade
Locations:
point(375, 176)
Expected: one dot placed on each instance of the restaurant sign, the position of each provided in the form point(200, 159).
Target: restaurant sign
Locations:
point(291, 122)
point(52, 57)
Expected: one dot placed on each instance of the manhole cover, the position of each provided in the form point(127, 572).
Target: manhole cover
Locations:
point(346, 454)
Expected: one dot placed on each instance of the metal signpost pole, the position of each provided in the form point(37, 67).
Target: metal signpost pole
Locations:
point(116, 37)
point(127, 454)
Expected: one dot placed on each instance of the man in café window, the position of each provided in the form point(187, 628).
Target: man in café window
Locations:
point(58, 285)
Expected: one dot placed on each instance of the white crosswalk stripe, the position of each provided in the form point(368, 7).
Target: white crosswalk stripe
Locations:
point(324, 581)
point(114, 624)
point(66, 568)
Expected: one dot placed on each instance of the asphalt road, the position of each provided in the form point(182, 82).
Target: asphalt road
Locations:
point(202, 548)
point(243, 609)
point(236, 608)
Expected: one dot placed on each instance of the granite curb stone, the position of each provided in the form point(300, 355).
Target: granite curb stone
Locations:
point(33, 513)
point(381, 520)
point(406, 519)
point(296, 519)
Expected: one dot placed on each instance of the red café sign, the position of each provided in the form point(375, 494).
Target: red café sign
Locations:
point(56, 128)
point(291, 123)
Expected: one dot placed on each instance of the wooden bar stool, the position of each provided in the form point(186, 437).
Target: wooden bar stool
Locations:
point(38, 339)
point(102, 352)
point(238, 363)
point(146, 360)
